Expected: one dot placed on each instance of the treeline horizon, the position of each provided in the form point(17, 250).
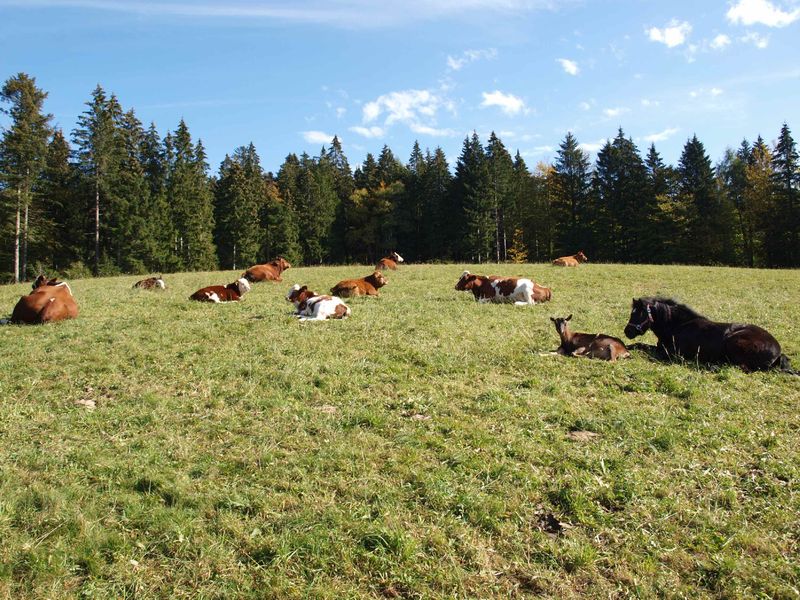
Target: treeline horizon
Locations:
point(118, 198)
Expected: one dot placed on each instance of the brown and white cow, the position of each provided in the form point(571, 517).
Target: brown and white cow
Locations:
point(366, 286)
point(313, 307)
point(496, 289)
point(51, 300)
point(540, 293)
point(389, 262)
point(270, 271)
point(232, 292)
point(151, 283)
point(571, 261)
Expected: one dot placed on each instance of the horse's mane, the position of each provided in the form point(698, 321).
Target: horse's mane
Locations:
point(681, 311)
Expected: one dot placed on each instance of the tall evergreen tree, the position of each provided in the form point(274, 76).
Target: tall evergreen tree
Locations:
point(784, 247)
point(501, 168)
point(571, 196)
point(316, 208)
point(471, 187)
point(23, 149)
point(667, 225)
point(344, 185)
point(439, 222)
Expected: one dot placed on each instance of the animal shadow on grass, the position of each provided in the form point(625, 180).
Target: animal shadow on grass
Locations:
point(658, 355)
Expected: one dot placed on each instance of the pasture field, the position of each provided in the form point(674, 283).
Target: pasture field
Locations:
point(424, 448)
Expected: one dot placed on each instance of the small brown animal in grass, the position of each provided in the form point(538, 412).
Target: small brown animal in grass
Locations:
point(366, 286)
point(571, 261)
point(270, 271)
point(389, 262)
point(151, 283)
point(593, 345)
point(51, 300)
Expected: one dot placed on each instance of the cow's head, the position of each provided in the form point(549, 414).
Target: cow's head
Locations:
point(396, 257)
point(297, 294)
point(44, 280)
point(243, 285)
point(581, 257)
point(377, 279)
point(467, 282)
point(281, 263)
point(160, 282)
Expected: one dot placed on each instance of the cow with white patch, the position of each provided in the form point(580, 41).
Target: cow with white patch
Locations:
point(312, 307)
point(218, 294)
point(151, 283)
point(389, 262)
point(495, 289)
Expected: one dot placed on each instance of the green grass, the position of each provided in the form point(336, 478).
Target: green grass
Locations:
point(411, 451)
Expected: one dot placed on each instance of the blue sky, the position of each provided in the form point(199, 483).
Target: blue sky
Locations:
point(288, 75)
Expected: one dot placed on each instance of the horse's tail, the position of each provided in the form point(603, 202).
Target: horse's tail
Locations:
point(785, 365)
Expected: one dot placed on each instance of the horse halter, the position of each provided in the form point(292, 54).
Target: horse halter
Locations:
point(640, 326)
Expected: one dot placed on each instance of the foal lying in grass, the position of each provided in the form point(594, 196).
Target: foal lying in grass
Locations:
point(593, 345)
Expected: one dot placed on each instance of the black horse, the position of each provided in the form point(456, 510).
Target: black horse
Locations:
point(681, 332)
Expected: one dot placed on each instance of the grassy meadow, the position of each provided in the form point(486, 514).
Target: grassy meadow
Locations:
point(424, 448)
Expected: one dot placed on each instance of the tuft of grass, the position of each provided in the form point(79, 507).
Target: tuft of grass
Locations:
point(410, 451)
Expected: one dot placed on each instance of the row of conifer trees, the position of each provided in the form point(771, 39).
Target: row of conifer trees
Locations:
point(118, 198)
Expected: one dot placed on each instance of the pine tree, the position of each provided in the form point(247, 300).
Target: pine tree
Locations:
point(160, 229)
point(784, 247)
point(316, 208)
point(571, 197)
point(408, 208)
point(501, 168)
point(758, 202)
point(283, 223)
point(438, 220)
point(471, 187)
point(344, 185)
point(23, 149)
point(667, 223)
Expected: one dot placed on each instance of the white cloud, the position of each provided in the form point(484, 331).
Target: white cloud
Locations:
point(615, 112)
point(647, 103)
point(674, 34)
point(570, 66)
point(715, 92)
point(508, 103)
point(592, 146)
point(369, 132)
point(432, 131)
point(761, 12)
point(340, 112)
point(456, 63)
point(662, 135)
point(584, 106)
point(720, 41)
point(317, 137)
point(758, 40)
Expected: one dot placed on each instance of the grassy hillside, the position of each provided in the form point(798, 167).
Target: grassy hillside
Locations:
point(421, 449)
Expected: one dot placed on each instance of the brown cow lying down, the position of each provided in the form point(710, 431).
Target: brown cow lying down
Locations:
point(51, 300)
point(232, 292)
point(270, 271)
point(518, 290)
point(540, 293)
point(366, 286)
point(151, 283)
point(389, 262)
point(313, 307)
point(571, 261)
point(593, 345)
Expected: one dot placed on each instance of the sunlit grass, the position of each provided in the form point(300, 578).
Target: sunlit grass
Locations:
point(410, 451)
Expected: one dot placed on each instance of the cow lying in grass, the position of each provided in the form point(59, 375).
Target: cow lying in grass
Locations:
point(389, 262)
point(232, 292)
point(366, 286)
point(151, 283)
point(571, 261)
point(592, 345)
point(51, 300)
point(312, 307)
point(496, 289)
point(270, 271)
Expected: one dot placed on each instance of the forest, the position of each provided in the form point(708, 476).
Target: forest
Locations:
point(113, 196)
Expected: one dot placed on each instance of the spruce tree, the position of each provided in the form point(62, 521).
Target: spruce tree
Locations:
point(438, 219)
point(571, 196)
point(316, 208)
point(23, 150)
point(501, 168)
point(472, 189)
point(784, 246)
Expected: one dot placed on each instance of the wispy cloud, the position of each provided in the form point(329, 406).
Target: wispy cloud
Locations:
point(674, 34)
point(720, 42)
point(570, 66)
point(615, 112)
point(369, 132)
point(508, 103)
point(316, 137)
point(758, 40)
point(592, 146)
point(662, 135)
point(761, 12)
point(703, 92)
point(349, 14)
point(456, 63)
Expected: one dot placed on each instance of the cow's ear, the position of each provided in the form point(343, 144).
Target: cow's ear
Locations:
point(303, 289)
point(568, 318)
